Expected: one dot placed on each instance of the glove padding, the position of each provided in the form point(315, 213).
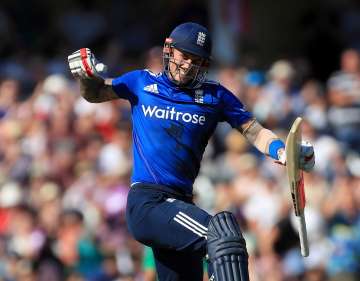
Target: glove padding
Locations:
point(307, 156)
point(83, 64)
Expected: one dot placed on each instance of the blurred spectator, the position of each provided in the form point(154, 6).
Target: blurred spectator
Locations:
point(65, 164)
point(274, 105)
point(80, 24)
point(76, 248)
point(26, 238)
point(253, 83)
point(231, 78)
point(315, 110)
point(153, 59)
point(113, 57)
point(114, 157)
point(343, 214)
point(9, 90)
point(328, 152)
point(344, 97)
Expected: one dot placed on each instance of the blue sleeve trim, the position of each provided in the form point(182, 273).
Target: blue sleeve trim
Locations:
point(274, 146)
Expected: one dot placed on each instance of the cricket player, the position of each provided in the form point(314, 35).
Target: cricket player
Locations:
point(174, 113)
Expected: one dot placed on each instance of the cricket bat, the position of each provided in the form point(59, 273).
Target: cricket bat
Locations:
point(296, 181)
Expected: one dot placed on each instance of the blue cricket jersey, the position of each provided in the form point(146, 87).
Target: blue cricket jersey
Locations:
point(172, 126)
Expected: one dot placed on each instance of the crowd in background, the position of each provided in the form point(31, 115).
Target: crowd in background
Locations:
point(65, 170)
point(65, 164)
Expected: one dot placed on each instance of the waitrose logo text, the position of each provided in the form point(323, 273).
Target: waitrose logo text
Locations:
point(172, 114)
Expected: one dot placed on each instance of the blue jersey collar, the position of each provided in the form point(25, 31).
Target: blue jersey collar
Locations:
point(169, 82)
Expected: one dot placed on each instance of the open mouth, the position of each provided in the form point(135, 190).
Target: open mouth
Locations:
point(184, 71)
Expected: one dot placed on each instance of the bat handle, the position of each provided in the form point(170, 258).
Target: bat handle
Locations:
point(303, 235)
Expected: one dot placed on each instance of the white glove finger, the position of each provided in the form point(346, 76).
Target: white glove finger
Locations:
point(74, 56)
point(79, 67)
point(74, 65)
point(74, 61)
point(78, 64)
point(76, 69)
point(76, 73)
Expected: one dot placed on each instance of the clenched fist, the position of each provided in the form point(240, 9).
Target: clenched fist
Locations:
point(83, 64)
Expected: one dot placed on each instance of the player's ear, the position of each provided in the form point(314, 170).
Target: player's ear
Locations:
point(206, 63)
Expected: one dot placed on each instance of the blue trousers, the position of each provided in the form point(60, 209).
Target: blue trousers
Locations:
point(172, 226)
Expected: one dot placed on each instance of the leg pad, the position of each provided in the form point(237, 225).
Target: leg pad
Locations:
point(226, 248)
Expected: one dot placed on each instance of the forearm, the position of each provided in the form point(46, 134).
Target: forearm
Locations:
point(263, 139)
point(97, 90)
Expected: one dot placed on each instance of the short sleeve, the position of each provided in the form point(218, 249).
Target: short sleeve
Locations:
point(233, 111)
point(125, 85)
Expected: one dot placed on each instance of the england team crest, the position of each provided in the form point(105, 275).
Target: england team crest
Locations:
point(199, 96)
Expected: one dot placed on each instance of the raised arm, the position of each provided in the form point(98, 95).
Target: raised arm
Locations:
point(93, 86)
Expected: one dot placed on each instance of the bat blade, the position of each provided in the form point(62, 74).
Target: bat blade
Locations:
point(296, 181)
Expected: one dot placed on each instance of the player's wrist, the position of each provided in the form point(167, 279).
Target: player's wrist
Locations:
point(92, 81)
point(277, 149)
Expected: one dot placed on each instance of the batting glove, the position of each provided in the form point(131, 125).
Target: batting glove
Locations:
point(83, 64)
point(307, 156)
